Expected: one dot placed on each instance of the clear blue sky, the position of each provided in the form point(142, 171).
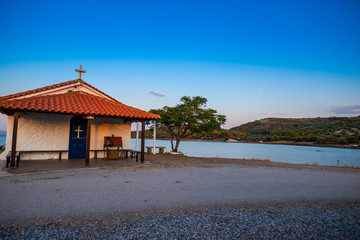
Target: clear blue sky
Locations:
point(250, 59)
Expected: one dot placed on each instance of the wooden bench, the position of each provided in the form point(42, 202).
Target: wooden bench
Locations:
point(161, 150)
point(116, 142)
point(44, 151)
point(110, 143)
point(17, 158)
point(18, 155)
point(128, 152)
point(134, 153)
point(96, 151)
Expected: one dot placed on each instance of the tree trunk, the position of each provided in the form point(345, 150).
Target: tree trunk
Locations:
point(172, 145)
point(177, 144)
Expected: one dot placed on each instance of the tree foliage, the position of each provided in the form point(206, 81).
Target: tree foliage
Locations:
point(189, 117)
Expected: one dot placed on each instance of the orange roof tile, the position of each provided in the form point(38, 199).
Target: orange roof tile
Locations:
point(54, 86)
point(77, 102)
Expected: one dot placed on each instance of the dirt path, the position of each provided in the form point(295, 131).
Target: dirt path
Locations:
point(78, 193)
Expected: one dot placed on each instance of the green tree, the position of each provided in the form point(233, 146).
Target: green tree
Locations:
point(225, 135)
point(189, 117)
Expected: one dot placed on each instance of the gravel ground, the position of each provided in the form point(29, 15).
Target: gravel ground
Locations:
point(276, 221)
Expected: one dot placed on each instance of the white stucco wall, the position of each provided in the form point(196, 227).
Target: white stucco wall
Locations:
point(43, 131)
point(104, 127)
point(40, 131)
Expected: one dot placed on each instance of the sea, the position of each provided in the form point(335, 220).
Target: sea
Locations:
point(322, 156)
point(2, 138)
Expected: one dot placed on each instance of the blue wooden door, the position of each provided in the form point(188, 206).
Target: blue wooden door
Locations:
point(77, 143)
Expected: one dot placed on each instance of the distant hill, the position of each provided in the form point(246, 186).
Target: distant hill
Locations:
point(2, 132)
point(333, 130)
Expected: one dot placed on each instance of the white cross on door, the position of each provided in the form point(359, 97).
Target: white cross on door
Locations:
point(78, 130)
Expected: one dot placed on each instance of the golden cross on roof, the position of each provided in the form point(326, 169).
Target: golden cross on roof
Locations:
point(80, 71)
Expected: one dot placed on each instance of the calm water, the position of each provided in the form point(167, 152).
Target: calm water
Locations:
point(2, 139)
point(278, 153)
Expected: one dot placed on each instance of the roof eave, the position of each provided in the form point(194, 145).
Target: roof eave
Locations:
point(11, 111)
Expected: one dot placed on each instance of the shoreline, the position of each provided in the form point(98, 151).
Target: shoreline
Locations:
point(306, 144)
point(176, 161)
point(164, 161)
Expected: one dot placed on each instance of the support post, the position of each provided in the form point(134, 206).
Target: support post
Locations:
point(154, 141)
point(14, 138)
point(88, 134)
point(137, 136)
point(142, 141)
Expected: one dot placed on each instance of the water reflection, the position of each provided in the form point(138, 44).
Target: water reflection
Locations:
point(278, 153)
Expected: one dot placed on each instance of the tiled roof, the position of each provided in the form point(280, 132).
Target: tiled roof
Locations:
point(77, 102)
point(54, 86)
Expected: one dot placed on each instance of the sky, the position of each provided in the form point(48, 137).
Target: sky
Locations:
point(250, 59)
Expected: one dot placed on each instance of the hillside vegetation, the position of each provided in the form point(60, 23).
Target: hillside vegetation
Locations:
point(329, 131)
point(333, 130)
point(217, 135)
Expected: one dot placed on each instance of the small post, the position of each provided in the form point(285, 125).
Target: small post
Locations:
point(338, 161)
point(88, 134)
point(14, 138)
point(142, 141)
point(154, 143)
point(137, 136)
